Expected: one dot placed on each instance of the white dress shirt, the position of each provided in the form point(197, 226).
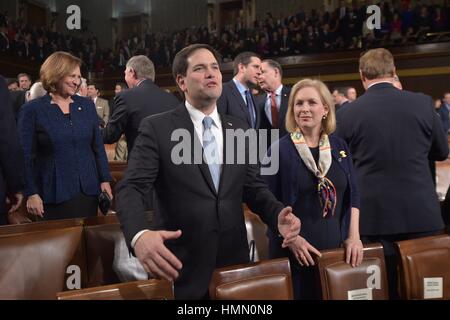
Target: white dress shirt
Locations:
point(197, 119)
point(268, 105)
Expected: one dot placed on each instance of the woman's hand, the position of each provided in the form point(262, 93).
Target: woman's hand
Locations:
point(35, 206)
point(302, 250)
point(353, 251)
point(105, 186)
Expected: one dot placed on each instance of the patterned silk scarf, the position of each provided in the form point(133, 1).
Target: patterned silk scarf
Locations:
point(325, 188)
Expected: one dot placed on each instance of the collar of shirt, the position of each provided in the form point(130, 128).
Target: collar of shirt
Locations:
point(378, 82)
point(447, 105)
point(95, 100)
point(278, 91)
point(139, 82)
point(241, 88)
point(268, 105)
point(197, 119)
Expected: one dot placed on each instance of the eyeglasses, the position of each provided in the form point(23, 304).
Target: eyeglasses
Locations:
point(327, 196)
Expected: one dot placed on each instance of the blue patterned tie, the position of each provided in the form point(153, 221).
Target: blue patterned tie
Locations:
point(210, 151)
point(250, 107)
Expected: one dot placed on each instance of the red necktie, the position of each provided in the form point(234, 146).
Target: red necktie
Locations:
point(274, 110)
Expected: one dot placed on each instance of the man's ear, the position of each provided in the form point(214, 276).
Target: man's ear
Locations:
point(241, 67)
point(133, 73)
point(361, 76)
point(181, 82)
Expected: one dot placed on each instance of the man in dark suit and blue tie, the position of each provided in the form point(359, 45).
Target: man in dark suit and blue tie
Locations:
point(236, 99)
point(199, 224)
point(11, 158)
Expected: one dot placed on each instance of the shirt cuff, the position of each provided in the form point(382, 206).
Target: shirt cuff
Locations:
point(137, 236)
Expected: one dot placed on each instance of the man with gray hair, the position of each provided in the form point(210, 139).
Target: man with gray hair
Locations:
point(142, 99)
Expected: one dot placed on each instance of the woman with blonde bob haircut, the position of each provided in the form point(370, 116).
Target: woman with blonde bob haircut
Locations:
point(66, 167)
point(316, 178)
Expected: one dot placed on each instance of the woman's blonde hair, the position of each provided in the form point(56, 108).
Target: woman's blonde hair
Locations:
point(329, 123)
point(57, 66)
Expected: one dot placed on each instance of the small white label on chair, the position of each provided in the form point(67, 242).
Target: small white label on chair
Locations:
point(360, 294)
point(432, 288)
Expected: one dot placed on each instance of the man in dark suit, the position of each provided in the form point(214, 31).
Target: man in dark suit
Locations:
point(199, 224)
point(339, 97)
point(444, 113)
point(143, 99)
point(11, 158)
point(18, 99)
point(274, 102)
point(236, 99)
point(392, 134)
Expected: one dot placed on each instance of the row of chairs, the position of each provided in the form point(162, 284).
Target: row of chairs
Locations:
point(425, 274)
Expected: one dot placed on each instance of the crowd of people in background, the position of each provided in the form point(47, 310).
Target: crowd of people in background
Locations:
point(402, 23)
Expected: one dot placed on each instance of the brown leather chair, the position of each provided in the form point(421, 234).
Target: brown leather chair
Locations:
point(9, 230)
point(424, 258)
point(338, 279)
point(37, 265)
point(100, 250)
point(263, 280)
point(138, 290)
point(108, 258)
point(256, 235)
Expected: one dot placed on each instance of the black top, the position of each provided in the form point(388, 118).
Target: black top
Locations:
point(322, 233)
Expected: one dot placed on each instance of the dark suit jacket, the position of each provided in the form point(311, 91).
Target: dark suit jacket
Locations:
point(18, 100)
point(391, 134)
point(11, 159)
point(62, 159)
point(285, 93)
point(293, 172)
point(444, 115)
point(232, 103)
point(133, 105)
point(212, 224)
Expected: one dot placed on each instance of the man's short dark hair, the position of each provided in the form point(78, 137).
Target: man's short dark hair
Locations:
point(93, 83)
point(275, 65)
point(180, 62)
point(341, 90)
point(243, 58)
point(10, 81)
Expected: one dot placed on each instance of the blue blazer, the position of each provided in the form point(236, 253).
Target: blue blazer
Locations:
point(285, 183)
point(76, 160)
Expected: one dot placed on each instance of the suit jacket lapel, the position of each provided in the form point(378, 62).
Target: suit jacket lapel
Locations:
point(241, 102)
point(284, 102)
point(226, 168)
point(183, 120)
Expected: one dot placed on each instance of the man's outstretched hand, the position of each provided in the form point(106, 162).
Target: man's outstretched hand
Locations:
point(288, 226)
